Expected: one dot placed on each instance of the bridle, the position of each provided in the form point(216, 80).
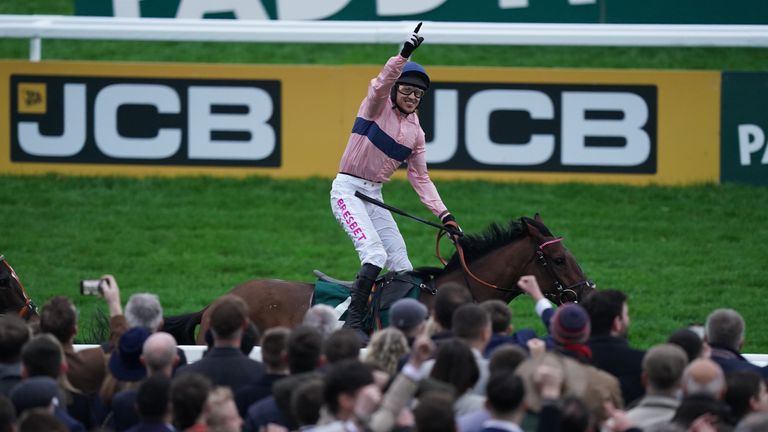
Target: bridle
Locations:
point(29, 307)
point(562, 294)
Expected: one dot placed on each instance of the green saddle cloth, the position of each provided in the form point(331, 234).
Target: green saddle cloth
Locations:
point(387, 290)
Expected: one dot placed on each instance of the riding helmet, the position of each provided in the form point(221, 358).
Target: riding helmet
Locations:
point(414, 74)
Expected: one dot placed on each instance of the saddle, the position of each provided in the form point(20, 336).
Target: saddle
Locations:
point(387, 289)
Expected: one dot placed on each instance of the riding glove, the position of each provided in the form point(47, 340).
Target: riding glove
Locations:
point(412, 43)
point(453, 228)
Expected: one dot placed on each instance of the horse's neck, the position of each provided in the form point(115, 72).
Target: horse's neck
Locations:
point(502, 267)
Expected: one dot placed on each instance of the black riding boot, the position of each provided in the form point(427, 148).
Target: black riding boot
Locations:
point(361, 289)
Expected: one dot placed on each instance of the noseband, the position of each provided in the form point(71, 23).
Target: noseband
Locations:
point(562, 294)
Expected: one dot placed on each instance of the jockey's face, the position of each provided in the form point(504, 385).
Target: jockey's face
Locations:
point(408, 97)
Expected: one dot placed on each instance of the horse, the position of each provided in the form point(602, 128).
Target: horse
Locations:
point(488, 264)
point(13, 296)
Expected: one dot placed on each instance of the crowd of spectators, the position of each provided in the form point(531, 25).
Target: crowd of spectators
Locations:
point(462, 366)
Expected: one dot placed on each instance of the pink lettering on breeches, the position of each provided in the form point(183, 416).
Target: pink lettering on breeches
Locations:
point(350, 220)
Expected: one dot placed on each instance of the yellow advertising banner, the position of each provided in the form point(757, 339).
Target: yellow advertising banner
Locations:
point(502, 124)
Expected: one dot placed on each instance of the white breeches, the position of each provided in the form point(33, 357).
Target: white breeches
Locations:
point(371, 228)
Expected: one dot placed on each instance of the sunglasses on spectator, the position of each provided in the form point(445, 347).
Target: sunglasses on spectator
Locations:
point(410, 90)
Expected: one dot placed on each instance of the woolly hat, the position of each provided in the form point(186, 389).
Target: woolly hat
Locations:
point(570, 324)
point(34, 392)
point(407, 313)
point(125, 361)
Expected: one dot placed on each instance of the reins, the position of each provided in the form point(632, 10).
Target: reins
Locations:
point(463, 261)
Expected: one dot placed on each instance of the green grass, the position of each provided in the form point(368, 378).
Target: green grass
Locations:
point(678, 252)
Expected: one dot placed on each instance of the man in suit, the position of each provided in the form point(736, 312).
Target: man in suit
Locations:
point(609, 315)
point(225, 364)
point(724, 331)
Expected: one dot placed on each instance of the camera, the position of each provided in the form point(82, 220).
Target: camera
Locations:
point(91, 286)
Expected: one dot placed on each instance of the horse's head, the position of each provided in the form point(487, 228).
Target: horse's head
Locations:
point(13, 296)
point(560, 276)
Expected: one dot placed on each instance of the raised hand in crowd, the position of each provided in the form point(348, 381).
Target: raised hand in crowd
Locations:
point(111, 293)
point(529, 284)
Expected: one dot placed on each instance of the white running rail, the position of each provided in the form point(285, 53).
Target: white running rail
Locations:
point(195, 353)
point(39, 27)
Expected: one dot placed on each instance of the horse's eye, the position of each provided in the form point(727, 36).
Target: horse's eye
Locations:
point(559, 260)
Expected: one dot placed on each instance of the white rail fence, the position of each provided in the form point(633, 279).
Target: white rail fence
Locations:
point(195, 353)
point(39, 27)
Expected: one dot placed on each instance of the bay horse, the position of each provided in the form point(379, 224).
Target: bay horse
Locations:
point(13, 296)
point(496, 258)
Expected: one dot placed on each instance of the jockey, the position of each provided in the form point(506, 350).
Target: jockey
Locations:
point(386, 133)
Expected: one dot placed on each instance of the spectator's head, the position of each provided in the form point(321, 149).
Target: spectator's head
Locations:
point(222, 415)
point(447, 300)
point(745, 392)
point(689, 341)
point(341, 385)
point(703, 376)
point(159, 353)
point(473, 324)
point(37, 420)
point(43, 356)
point(755, 422)
point(305, 349)
point(153, 399)
point(229, 317)
point(501, 316)
point(306, 401)
point(125, 361)
point(608, 313)
point(35, 392)
point(409, 316)
point(386, 348)
point(343, 344)
point(250, 338)
point(59, 318)
point(188, 395)
point(455, 364)
point(575, 415)
point(570, 325)
point(663, 367)
point(14, 333)
point(274, 349)
point(725, 328)
point(321, 317)
point(434, 413)
point(693, 406)
point(144, 310)
point(507, 358)
point(7, 414)
point(504, 395)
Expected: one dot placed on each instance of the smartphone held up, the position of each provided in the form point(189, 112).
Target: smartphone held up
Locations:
point(92, 287)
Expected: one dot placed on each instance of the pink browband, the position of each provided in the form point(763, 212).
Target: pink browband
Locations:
point(547, 243)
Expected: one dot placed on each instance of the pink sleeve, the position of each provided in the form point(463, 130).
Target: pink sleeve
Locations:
point(381, 86)
point(419, 178)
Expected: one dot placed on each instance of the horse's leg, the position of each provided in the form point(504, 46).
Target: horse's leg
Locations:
point(272, 303)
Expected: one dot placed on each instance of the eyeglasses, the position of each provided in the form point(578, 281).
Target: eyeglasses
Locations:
point(408, 90)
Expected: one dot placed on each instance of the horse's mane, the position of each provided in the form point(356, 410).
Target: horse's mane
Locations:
point(493, 237)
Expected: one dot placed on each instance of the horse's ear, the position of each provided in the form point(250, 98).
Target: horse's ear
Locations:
point(537, 218)
point(531, 228)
